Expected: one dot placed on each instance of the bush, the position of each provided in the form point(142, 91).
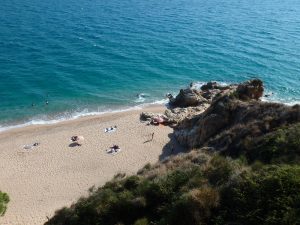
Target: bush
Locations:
point(143, 221)
point(194, 207)
point(219, 171)
point(4, 199)
point(280, 146)
point(269, 196)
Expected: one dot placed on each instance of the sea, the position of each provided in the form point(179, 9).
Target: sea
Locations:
point(63, 59)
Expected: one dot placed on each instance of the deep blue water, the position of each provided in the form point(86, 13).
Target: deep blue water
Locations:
point(96, 55)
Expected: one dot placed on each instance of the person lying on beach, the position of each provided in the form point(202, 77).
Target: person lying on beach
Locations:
point(115, 148)
point(110, 129)
point(157, 120)
point(31, 146)
point(78, 140)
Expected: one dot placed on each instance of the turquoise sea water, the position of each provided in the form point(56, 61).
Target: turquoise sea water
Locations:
point(85, 56)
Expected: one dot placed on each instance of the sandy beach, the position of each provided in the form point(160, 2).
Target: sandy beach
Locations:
point(53, 174)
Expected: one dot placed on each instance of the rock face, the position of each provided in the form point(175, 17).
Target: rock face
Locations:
point(230, 121)
point(234, 116)
point(252, 89)
point(192, 102)
point(177, 115)
point(188, 97)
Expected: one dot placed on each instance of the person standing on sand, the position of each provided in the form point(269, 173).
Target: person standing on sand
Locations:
point(152, 136)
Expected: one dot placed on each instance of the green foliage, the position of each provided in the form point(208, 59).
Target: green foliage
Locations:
point(4, 199)
point(280, 146)
point(269, 196)
point(195, 207)
point(143, 221)
point(219, 170)
point(138, 200)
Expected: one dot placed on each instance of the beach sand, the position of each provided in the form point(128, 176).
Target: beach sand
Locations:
point(53, 175)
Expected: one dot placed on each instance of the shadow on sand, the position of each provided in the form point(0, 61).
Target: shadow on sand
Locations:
point(72, 145)
point(171, 148)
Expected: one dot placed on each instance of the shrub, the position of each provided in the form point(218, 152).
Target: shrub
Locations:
point(269, 196)
point(195, 207)
point(143, 221)
point(219, 170)
point(4, 199)
point(282, 145)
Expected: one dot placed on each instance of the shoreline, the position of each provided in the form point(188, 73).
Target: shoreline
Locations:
point(55, 174)
point(32, 123)
point(80, 115)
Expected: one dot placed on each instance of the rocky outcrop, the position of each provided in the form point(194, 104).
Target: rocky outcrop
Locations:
point(189, 97)
point(233, 117)
point(230, 121)
point(192, 96)
point(177, 115)
point(192, 102)
point(252, 89)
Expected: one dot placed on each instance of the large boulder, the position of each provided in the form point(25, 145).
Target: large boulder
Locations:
point(252, 89)
point(149, 116)
point(188, 97)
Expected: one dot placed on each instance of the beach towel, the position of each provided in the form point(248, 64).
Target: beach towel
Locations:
point(110, 129)
point(112, 151)
point(28, 147)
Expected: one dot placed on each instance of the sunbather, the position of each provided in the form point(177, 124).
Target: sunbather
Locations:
point(78, 140)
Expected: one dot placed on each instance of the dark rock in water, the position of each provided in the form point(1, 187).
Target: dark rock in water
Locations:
point(252, 89)
point(188, 97)
point(171, 98)
point(209, 86)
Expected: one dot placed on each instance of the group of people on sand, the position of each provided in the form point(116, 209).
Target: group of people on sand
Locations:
point(78, 140)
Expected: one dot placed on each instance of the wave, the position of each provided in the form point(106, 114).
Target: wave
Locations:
point(141, 97)
point(199, 84)
point(76, 115)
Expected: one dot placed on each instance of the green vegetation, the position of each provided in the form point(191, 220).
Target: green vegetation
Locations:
point(267, 196)
point(280, 146)
point(4, 199)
